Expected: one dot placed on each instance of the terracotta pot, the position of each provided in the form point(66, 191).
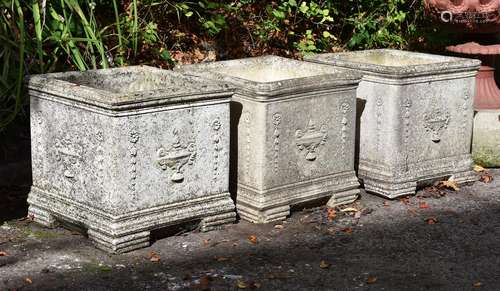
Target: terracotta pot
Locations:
point(481, 16)
point(487, 92)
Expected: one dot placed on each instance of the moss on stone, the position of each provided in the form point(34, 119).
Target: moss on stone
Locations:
point(486, 157)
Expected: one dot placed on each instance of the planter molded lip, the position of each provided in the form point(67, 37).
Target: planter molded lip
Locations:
point(165, 87)
point(284, 75)
point(418, 64)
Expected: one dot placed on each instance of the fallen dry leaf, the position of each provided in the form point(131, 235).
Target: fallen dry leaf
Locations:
point(28, 280)
point(478, 168)
point(477, 284)
point(371, 279)
point(331, 214)
point(347, 230)
point(205, 282)
point(222, 259)
point(153, 257)
point(405, 200)
point(431, 220)
point(248, 284)
point(278, 275)
point(486, 178)
point(423, 205)
point(450, 184)
point(3, 254)
point(324, 264)
point(253, 239)
point(241, 284)
point(366, 211)
point(255, 285)
point(432, 191)
point(349, 209)
point(412, 211)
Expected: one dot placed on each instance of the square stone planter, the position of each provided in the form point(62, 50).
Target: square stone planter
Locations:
point(486, 138)
point(294, 125)
point(415, 114)
point(122, 152)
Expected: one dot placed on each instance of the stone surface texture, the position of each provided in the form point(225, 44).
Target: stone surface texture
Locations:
point(122, 152)
point(415, 117)
point(293, 129)
point(486, 138)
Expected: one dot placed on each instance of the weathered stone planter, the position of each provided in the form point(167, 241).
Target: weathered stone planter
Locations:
point(415, 114)
point(486, 138)
point(295, 133)
point(125, 151)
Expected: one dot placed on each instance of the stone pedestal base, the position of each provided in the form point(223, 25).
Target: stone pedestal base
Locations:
point(127, 232)
point(274, 204)
point(486, 138)
point(390, 184)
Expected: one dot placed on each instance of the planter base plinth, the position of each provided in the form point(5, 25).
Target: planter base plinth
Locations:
point(130, 231)
point(392, 185)
point(41, 216)
point(121, 244)
point(274, 204)
point(218, 221)
point(343, 198)
point(254, 215)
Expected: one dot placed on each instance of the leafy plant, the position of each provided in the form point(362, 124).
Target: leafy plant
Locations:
point(40, 36)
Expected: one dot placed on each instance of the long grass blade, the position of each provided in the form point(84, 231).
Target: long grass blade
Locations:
point(20, 70)
point(135, 27)
point(38, 33)
point(118, 28)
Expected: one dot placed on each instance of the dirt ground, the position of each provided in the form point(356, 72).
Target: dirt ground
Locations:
point(439, 239)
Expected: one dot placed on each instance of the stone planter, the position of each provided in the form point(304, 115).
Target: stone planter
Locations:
point(486, 138)
point(294, 126)
point(415, 113)
point(122, 152)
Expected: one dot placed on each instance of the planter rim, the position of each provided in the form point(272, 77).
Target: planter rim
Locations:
point(384, 62)
point(303, 76)
point(168, 87)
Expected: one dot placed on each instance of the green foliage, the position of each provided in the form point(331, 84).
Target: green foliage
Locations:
point(40, 36)
point(383, 23)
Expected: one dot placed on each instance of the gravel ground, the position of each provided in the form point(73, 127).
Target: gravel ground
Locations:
point(436, 240)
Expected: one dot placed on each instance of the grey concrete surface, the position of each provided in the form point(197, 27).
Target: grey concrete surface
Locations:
point(391, 246)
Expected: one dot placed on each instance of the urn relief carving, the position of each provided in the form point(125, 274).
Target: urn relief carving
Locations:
point(310, 139)
point(176, 157)
point(69, 155)
point(435, 121)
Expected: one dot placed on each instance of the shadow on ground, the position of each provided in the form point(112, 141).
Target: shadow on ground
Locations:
point(15, 170)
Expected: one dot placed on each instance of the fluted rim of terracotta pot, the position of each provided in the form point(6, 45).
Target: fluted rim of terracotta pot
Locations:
point(473, 48)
